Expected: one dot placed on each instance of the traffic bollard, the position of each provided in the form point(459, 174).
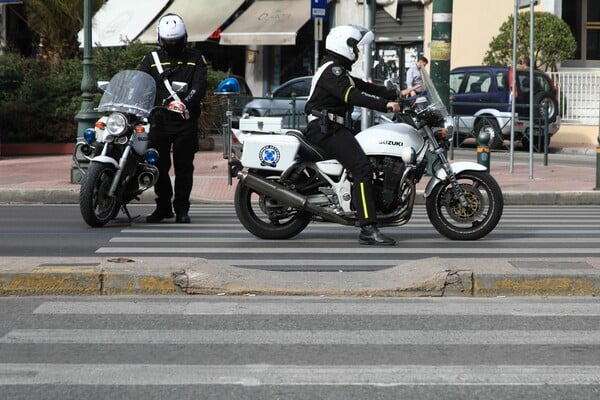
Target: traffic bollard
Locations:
point(483, 149)
point(598, 165)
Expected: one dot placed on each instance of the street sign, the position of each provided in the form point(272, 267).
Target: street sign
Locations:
point(527, 3)
point(318, 9)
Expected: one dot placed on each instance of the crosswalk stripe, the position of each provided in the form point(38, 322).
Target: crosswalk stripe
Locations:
point(316, 375)
point(348, 250)
point(297, 307)
point(302, 337)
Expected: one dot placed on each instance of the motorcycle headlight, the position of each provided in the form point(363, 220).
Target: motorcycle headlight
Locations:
point(116, 124)
point(449, 127)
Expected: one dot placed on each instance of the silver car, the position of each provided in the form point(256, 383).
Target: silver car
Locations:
point(286, 101)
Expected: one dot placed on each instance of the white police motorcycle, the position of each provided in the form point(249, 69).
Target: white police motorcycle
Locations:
point(121, 166)
point(285, 182)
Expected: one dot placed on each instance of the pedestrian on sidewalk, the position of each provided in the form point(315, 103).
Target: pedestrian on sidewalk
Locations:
point(413, 75)
point(176, 131)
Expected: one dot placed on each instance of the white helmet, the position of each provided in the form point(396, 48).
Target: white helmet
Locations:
point(344, 41)
point(171, 27)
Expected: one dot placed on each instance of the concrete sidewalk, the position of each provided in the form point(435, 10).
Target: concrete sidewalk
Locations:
point(569, 178)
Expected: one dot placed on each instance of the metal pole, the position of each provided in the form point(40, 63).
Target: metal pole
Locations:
point(441, 35)
point(86, 116)
point(513, 86)
point(531, 87)
point(368, 17)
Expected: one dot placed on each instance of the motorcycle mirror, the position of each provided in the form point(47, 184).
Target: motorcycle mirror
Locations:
point(102, 85)
point(179, 87)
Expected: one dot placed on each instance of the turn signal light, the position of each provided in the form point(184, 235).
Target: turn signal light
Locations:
point(100, 124)
point(139, 129)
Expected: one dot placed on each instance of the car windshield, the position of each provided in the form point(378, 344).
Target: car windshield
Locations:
point(129, 91)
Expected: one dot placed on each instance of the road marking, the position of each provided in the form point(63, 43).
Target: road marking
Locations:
point(295, 337)
point(316, 375)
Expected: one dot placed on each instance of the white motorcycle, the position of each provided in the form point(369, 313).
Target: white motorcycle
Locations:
point(285, 181)
point(121, 166)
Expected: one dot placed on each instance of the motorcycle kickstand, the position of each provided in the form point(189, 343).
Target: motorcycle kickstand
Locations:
point(126, 211)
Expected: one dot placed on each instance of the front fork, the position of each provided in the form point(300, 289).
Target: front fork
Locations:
point(457, 190)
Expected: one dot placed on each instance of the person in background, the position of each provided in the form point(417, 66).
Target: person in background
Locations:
point(175, 131)
point(413, 75)
point(333, 95)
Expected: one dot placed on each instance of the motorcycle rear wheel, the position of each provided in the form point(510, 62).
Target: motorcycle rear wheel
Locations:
point(456, 222)
point(267, 218)
point(97, 208)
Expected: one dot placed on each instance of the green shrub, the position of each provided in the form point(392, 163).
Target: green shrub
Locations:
point(38, 102)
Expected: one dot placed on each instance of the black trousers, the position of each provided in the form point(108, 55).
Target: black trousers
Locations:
point(182, 142)
point(341, 144)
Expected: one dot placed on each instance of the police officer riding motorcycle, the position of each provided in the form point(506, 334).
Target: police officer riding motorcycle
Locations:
point(334, 93)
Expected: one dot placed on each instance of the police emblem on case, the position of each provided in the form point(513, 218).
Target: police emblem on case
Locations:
point(269, 156)
point(337, 71)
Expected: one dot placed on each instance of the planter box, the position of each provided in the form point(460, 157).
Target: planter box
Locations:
point(37, 149)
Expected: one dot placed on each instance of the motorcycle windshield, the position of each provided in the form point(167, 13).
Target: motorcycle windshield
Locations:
point(131, 92)
point(433, 97)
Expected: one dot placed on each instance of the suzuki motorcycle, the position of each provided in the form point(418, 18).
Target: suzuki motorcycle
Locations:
point(121, 166)
point(285, 182)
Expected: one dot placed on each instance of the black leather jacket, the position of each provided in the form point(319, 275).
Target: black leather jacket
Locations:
point(337, 92)
point(189, 68)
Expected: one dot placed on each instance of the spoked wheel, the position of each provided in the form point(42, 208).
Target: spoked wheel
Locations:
point(97, 208)
point(480, 217)
point(267, 218)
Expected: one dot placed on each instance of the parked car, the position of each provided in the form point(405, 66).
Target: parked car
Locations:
point(279, 103)
point(481, 96)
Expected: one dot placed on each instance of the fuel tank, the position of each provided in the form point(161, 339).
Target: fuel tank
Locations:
point(390, 139)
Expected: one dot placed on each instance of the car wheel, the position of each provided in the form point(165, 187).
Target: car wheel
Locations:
point(540, 101)
point(490, 125)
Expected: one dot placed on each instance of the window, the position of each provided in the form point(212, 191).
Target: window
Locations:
point(479, 82)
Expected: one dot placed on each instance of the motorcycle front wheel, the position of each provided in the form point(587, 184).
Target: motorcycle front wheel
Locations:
point(265, 217)
point(96, 206)
point(480, 217)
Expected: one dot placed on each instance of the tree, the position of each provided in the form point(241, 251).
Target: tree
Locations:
point(553, 41)
point(56, 24)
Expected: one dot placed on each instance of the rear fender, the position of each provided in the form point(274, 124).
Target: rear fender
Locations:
point(457, 167)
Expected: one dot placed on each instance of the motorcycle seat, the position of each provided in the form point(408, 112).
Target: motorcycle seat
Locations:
point(307, 150)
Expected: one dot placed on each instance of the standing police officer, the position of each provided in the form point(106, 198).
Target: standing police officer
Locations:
point(175, 130)
point(332, 97)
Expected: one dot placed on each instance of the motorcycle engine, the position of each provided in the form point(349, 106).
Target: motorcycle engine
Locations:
point(388, 173)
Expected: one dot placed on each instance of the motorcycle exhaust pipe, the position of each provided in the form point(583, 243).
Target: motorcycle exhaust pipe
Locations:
point(288, 197)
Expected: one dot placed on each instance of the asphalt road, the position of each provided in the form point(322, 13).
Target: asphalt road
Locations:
point(525, 232)
point(219, 347)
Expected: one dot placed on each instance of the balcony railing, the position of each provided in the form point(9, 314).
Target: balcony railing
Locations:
point(579, 93)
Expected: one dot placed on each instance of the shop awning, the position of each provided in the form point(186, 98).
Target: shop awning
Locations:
point(118, 21)
point(268, 22)
point(201, 17)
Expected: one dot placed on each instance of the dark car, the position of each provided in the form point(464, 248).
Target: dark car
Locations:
point(279, 103)
point(481, 96)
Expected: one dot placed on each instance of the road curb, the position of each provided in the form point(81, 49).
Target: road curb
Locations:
point(432, 277)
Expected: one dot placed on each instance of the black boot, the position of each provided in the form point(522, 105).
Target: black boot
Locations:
point(181, 213)
point(183, 218)
point(370, 234)
point(162, 211)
